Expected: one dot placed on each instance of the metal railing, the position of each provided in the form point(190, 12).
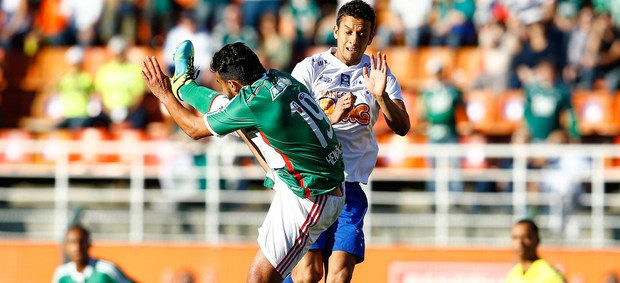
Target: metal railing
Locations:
point(132, 198)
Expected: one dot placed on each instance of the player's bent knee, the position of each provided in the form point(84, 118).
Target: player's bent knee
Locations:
point(310, 276)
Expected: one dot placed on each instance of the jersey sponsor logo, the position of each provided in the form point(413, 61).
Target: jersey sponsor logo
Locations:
point(325, 79)
point(319, 62)
point(360, 113)
point(279, 86)
point(345, 80)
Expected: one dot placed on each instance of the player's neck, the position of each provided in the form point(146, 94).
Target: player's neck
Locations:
point(526, 262)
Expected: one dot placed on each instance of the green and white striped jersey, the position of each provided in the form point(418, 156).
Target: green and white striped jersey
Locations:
point(292, 123)
point(97, 271)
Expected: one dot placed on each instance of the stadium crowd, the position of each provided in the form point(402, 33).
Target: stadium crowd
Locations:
point(74, 64)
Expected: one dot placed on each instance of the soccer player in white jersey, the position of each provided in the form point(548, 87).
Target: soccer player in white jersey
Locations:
point(307, 183)
point(351, 87)
point(83, 267)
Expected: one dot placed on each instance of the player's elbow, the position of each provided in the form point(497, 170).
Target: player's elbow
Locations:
point(402, 128)
point(196, 133)
point(403, 131)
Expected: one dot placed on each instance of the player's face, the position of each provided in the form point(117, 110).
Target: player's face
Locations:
point(353, 36)
point(524, 241)
point(227, 87)
point(76, 246)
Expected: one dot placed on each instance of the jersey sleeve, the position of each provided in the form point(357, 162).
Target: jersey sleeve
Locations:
point(303, 72)
point(234, 116)
point(393, 87)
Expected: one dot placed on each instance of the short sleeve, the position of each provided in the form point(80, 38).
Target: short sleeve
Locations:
point(393, 87)
point(236, 115)
point(303, 72)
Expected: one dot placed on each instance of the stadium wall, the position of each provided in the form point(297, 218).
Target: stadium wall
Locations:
point(35, 262)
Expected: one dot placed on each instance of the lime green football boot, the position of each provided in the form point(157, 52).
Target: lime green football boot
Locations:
point(184, 70)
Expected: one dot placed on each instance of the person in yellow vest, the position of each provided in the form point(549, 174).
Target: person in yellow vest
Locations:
point(120, 87)
point(530, 268)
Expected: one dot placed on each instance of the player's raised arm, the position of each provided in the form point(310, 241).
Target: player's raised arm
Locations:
point(394, 110)
point(159, 84)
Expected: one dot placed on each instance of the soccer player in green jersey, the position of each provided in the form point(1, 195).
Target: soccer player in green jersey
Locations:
point(83, 267)
point(307, 172)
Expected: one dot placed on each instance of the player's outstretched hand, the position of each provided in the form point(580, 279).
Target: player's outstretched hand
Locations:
point(376, 77)
point(155, 79)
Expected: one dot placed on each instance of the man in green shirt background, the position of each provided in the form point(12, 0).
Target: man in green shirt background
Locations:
point(82, 268)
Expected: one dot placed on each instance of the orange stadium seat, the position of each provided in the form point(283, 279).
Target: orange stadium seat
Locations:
point(510, 111)
point(47, 68)
point(445, 55)
point(595, 112)
point(401, 60)
point(467, 66)
point(480, 109)
point(494, 114)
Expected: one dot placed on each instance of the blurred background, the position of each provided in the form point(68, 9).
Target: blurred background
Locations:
point(513, 105)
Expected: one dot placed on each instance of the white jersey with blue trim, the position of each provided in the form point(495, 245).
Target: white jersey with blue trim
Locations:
point(324, 72)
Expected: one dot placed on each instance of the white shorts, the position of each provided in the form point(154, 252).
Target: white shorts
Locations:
point(293, 224)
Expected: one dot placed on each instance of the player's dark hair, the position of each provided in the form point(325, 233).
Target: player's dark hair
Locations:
point(236, 61)
point(85, 232)
point(531, 224)
point(357, 9)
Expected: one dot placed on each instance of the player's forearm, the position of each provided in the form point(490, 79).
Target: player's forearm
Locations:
point(190, 123)
point(395, 114)
point(336, 117)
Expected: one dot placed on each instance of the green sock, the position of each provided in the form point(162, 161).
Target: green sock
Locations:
point(199, 97)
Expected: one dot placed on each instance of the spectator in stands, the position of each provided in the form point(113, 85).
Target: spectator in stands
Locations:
point(530, 267)
point(157, 14)
point(498, 47)
point(608, 6)
point(579, 57)
point(408, 20)
point(273, 46)
point(14, 22)
point(302, 15)
point(209, 13)
point(441, 102)
point(325, 27)
point(51, 24)
point(548, 112)
point(253, 9)
point(120, 87)
point(231, 29)
point(547, 105)
point(186, 29)
point(118, 18)
point(74, 92)
point(605, 45)
point(83, 16)
point(452, 23)
point(82, 267)
point(537, 43)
